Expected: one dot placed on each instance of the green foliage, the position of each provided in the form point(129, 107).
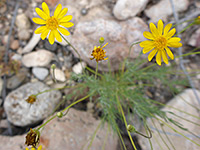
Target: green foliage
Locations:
point(129, 85)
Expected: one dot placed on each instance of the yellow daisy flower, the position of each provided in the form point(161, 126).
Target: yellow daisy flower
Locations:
point(53, 24)
point(39, 148)
point(160, 39)
point(98, 53)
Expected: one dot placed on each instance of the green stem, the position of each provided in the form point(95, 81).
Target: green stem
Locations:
point(96, 71)
point(120, 107)
point(185, 29)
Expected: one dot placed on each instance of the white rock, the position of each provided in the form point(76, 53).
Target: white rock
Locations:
point(180, 143)
point(59, 75)
point(21, 113)
point(118, 34)
point(79, 67)
point(163, 9)
point(22, 21)
point(125, 9)
point(17, 57)
point(194, 39)
point(39, 58)
point(24, 34)
point(32, 43)
point(40, 73)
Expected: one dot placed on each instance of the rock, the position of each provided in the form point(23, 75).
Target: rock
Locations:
point(78, 68)
point(32, 43)
point(119, 35)
point(195, 39)
point(1, 86)
point(180, 102)
point(24, 34)
point(14, 45)
point(125, 9)
point(21, 113)
point(5, 39)
point(22, 21)
point(16, 80)
point(40, 73)
point(59, 75)
point(50, 47)
point(17, 57)
point(73, 132)
point(39, 58)
point(163, 9)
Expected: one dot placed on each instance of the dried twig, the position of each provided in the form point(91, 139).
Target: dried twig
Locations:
point(180, 53)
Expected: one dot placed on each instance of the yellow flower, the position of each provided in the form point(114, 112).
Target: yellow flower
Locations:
point(98, 53)
point(39, 148)
point(53, 24)
point(160, 39)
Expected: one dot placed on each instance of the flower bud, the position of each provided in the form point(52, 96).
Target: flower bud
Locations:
point(101, 40)
point(59, 114)
point(131, 128)
point(53, 66)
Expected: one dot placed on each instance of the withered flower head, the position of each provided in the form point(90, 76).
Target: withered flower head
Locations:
point(98, 53)
point(31, 99)
point(32, 138)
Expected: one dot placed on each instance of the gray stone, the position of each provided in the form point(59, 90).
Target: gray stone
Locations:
point(22, 21)
point(50, 47)
point(59, 75)
point(39, 58)
point(40, 73)
point(1, 85)
point(163, 9)
point(184, 102)
point(79, 67)
point(125, 9)
point(31, 44)
point(194, 39)
point(21, 113)
point(24, 34)
point(119, 35)
point(16, 80)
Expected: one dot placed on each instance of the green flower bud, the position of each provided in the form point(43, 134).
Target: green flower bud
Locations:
point(131, 128)
point(101, 40)
point(53, 66)
point(59, 114)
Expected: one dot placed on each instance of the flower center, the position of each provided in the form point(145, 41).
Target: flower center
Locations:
point(52, 23)
point(98, 54)
point(160, 43)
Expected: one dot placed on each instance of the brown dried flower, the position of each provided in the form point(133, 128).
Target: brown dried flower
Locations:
point(32, 138)
point(31, 99)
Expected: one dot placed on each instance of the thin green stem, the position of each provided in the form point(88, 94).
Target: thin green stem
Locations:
point(185, 29)
point(96, 70)
point(120, 107)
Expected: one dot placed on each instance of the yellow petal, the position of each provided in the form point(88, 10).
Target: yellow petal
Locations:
point(26, 148)
point(171, 33)
point(40, 29)
point(167, 28)
point(169, 53)
point(63, 31)
point(164, 56)
point(39, 21)
point(44, 34)
point(175, 44)
point(57, 36)
point(66, 18)
point(146, 43)
point(46, 9)
point(160, 27)
point(40, 147)
point(67, 24)
point(51, 38)
point(147, 49)
point(152, 54)
point(32, 148)
point(174, 40)
point(148, 35)
point(41, 13)
point(154, 30)
point(62, 13)
point(158, 58)
point(58, 10)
